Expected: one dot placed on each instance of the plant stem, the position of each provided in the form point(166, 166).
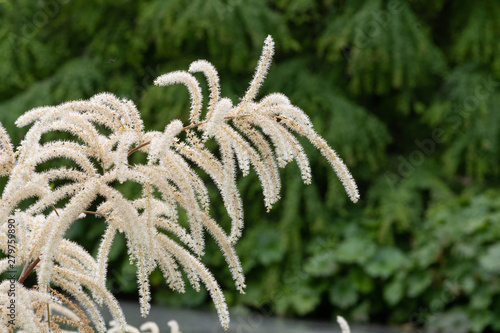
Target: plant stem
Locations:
point(25, 274)
point(185, 129)
point(95, 213)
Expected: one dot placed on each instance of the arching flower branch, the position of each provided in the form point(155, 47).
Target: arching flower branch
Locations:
point(258, 134)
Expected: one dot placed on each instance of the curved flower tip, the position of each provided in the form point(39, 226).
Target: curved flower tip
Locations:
point(261, 70)
point(150, 327)
point(222, 108)
point(174, 326)
point(213, 81)
point(343, 324)
point(187, 79)
point(269, 39)
point(147, 327)
point(7, 156)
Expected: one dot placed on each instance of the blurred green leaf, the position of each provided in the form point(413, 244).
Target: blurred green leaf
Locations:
point(343, 293)
point(418, 282)
point(394, 291)
point(490, 261)
point(355, 250)
point(385, 262)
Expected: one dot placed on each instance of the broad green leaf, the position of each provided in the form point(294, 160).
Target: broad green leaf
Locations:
point(386, 261)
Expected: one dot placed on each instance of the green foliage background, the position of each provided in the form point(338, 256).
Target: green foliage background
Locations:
point(406, 91)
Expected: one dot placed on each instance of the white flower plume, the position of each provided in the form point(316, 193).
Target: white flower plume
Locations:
point(251, 134)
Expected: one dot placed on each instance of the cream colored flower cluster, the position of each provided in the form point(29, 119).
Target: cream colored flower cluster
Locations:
point(252, 133)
